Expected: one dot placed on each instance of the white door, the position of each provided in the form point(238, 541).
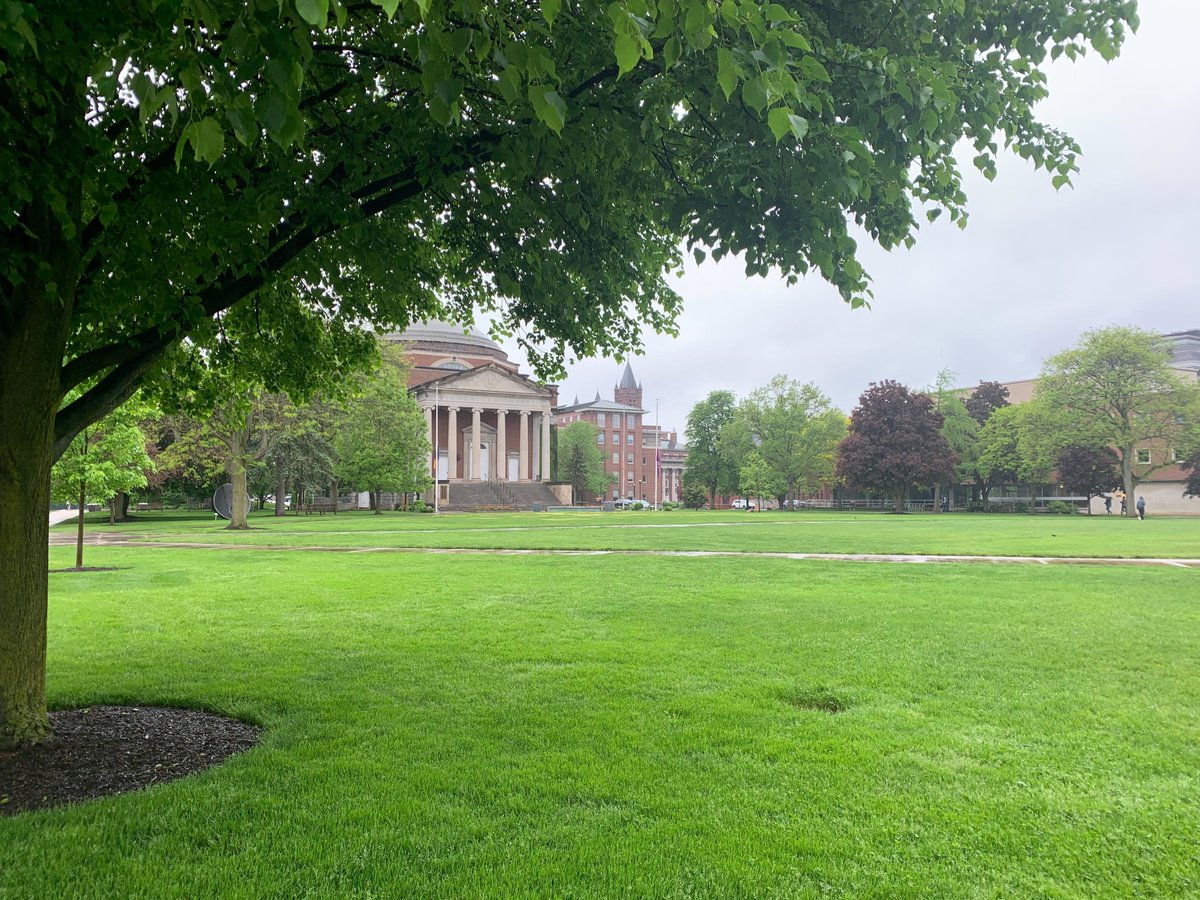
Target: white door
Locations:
point(443, 465)
point(514, 467)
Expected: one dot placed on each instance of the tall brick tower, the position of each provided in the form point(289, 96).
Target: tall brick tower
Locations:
point(628, 392)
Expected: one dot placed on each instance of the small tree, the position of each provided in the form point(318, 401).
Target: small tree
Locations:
point(1088, 470)
point(759, 479)
point(693, 494)
point(710, 464)
point(103, 460)
point(381, 439)
point(895, 442)
point(580, 460)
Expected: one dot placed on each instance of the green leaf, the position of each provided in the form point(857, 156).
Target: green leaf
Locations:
point(755, 94)
point(727, 76)
point(21, 26)
point(550, 10)
point(209, 140)
point(389, 7)
point(794, 39)
point(784, 122)
point(628, 51)
point(672, 51)
point(549, 106)
point(314, 12)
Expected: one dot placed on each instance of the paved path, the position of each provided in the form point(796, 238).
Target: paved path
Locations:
point(61, 515)
point(111, 539)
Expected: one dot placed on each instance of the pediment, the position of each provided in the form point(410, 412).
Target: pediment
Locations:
point(490, 380)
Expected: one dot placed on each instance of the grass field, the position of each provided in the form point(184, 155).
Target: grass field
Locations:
point(810, 532)
point(639, 726)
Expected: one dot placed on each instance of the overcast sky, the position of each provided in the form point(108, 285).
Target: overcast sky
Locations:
point(1033, 269)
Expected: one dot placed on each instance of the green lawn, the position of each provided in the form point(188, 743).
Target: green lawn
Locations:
point(810, 532)
point(637, 726)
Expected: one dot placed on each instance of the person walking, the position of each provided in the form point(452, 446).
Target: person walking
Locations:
point(1141, 507)
point(1108, 504)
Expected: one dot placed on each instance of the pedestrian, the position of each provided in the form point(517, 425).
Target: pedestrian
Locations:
point(1124, 507)
point(1108, 504)
point(1141, 507)
point(945, 503)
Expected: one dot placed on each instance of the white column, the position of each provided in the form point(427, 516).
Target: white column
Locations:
point(523, 448)
point(452, 443)
point(501, 445)
point(476, 446)
point(545, 446)
point(428, 424)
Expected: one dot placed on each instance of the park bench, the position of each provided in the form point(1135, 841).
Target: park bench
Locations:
point(321, 507)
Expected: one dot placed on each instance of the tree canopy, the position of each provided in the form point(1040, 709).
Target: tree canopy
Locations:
point(709, 466)
point(791, 428)
point(1116, 387)
point(895, 442)
point(581, 461)
point(292, 172)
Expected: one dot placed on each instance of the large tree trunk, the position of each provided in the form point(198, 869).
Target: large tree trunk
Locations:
point(280, 493)
point(236, 468)
point(900, 500)
point(937, 498)
point(32, 338)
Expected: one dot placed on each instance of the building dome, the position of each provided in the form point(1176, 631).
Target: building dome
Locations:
point(438, 338)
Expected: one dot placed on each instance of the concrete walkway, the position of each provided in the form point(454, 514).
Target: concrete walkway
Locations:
point(61, 515)
point(114, 539)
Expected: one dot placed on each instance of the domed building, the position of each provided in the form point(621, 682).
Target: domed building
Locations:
point(489, 425)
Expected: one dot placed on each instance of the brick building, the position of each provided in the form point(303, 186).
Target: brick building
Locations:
point(645, 461)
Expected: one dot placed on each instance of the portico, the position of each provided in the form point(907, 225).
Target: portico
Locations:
point(487, 424)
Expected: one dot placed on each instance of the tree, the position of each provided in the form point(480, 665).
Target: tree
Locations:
point(302, 455)
point(985, 400)
point(1191, 465)
point(760, 479)
point(580, 460)
point(1017, 444)
point(996, 458)
point(959, 427)
point(792, 428)
point(103, 460)
point(380, 438)
point(1088, 470)
point(708, 465)
point(318, 167)
point(1116, 387)
point(692, 493)
point(247, 425)
point(895, 442)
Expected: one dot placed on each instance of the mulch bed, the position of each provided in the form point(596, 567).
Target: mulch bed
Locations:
point(106, 750)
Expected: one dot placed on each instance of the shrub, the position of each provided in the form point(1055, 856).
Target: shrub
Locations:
point(1060, 508)
point(1020, 506)
point(419, 506)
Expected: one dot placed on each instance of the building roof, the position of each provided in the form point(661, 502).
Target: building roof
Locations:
point(627, 379)
point(443, 333)
point(599, 405)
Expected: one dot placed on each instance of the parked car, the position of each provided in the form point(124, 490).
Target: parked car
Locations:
point(630, 503)
point(742, 503)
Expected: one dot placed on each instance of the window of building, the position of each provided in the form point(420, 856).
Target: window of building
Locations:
point(629, 476)
point(600, 419)
point(643, 460)
point(616, 438)
point(629, 439)
point(616, 458)
point(643, 479)
point(1177, 456)
point(630, 420)
point(599, 437)
point(1143, 456)
point(629, 458)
